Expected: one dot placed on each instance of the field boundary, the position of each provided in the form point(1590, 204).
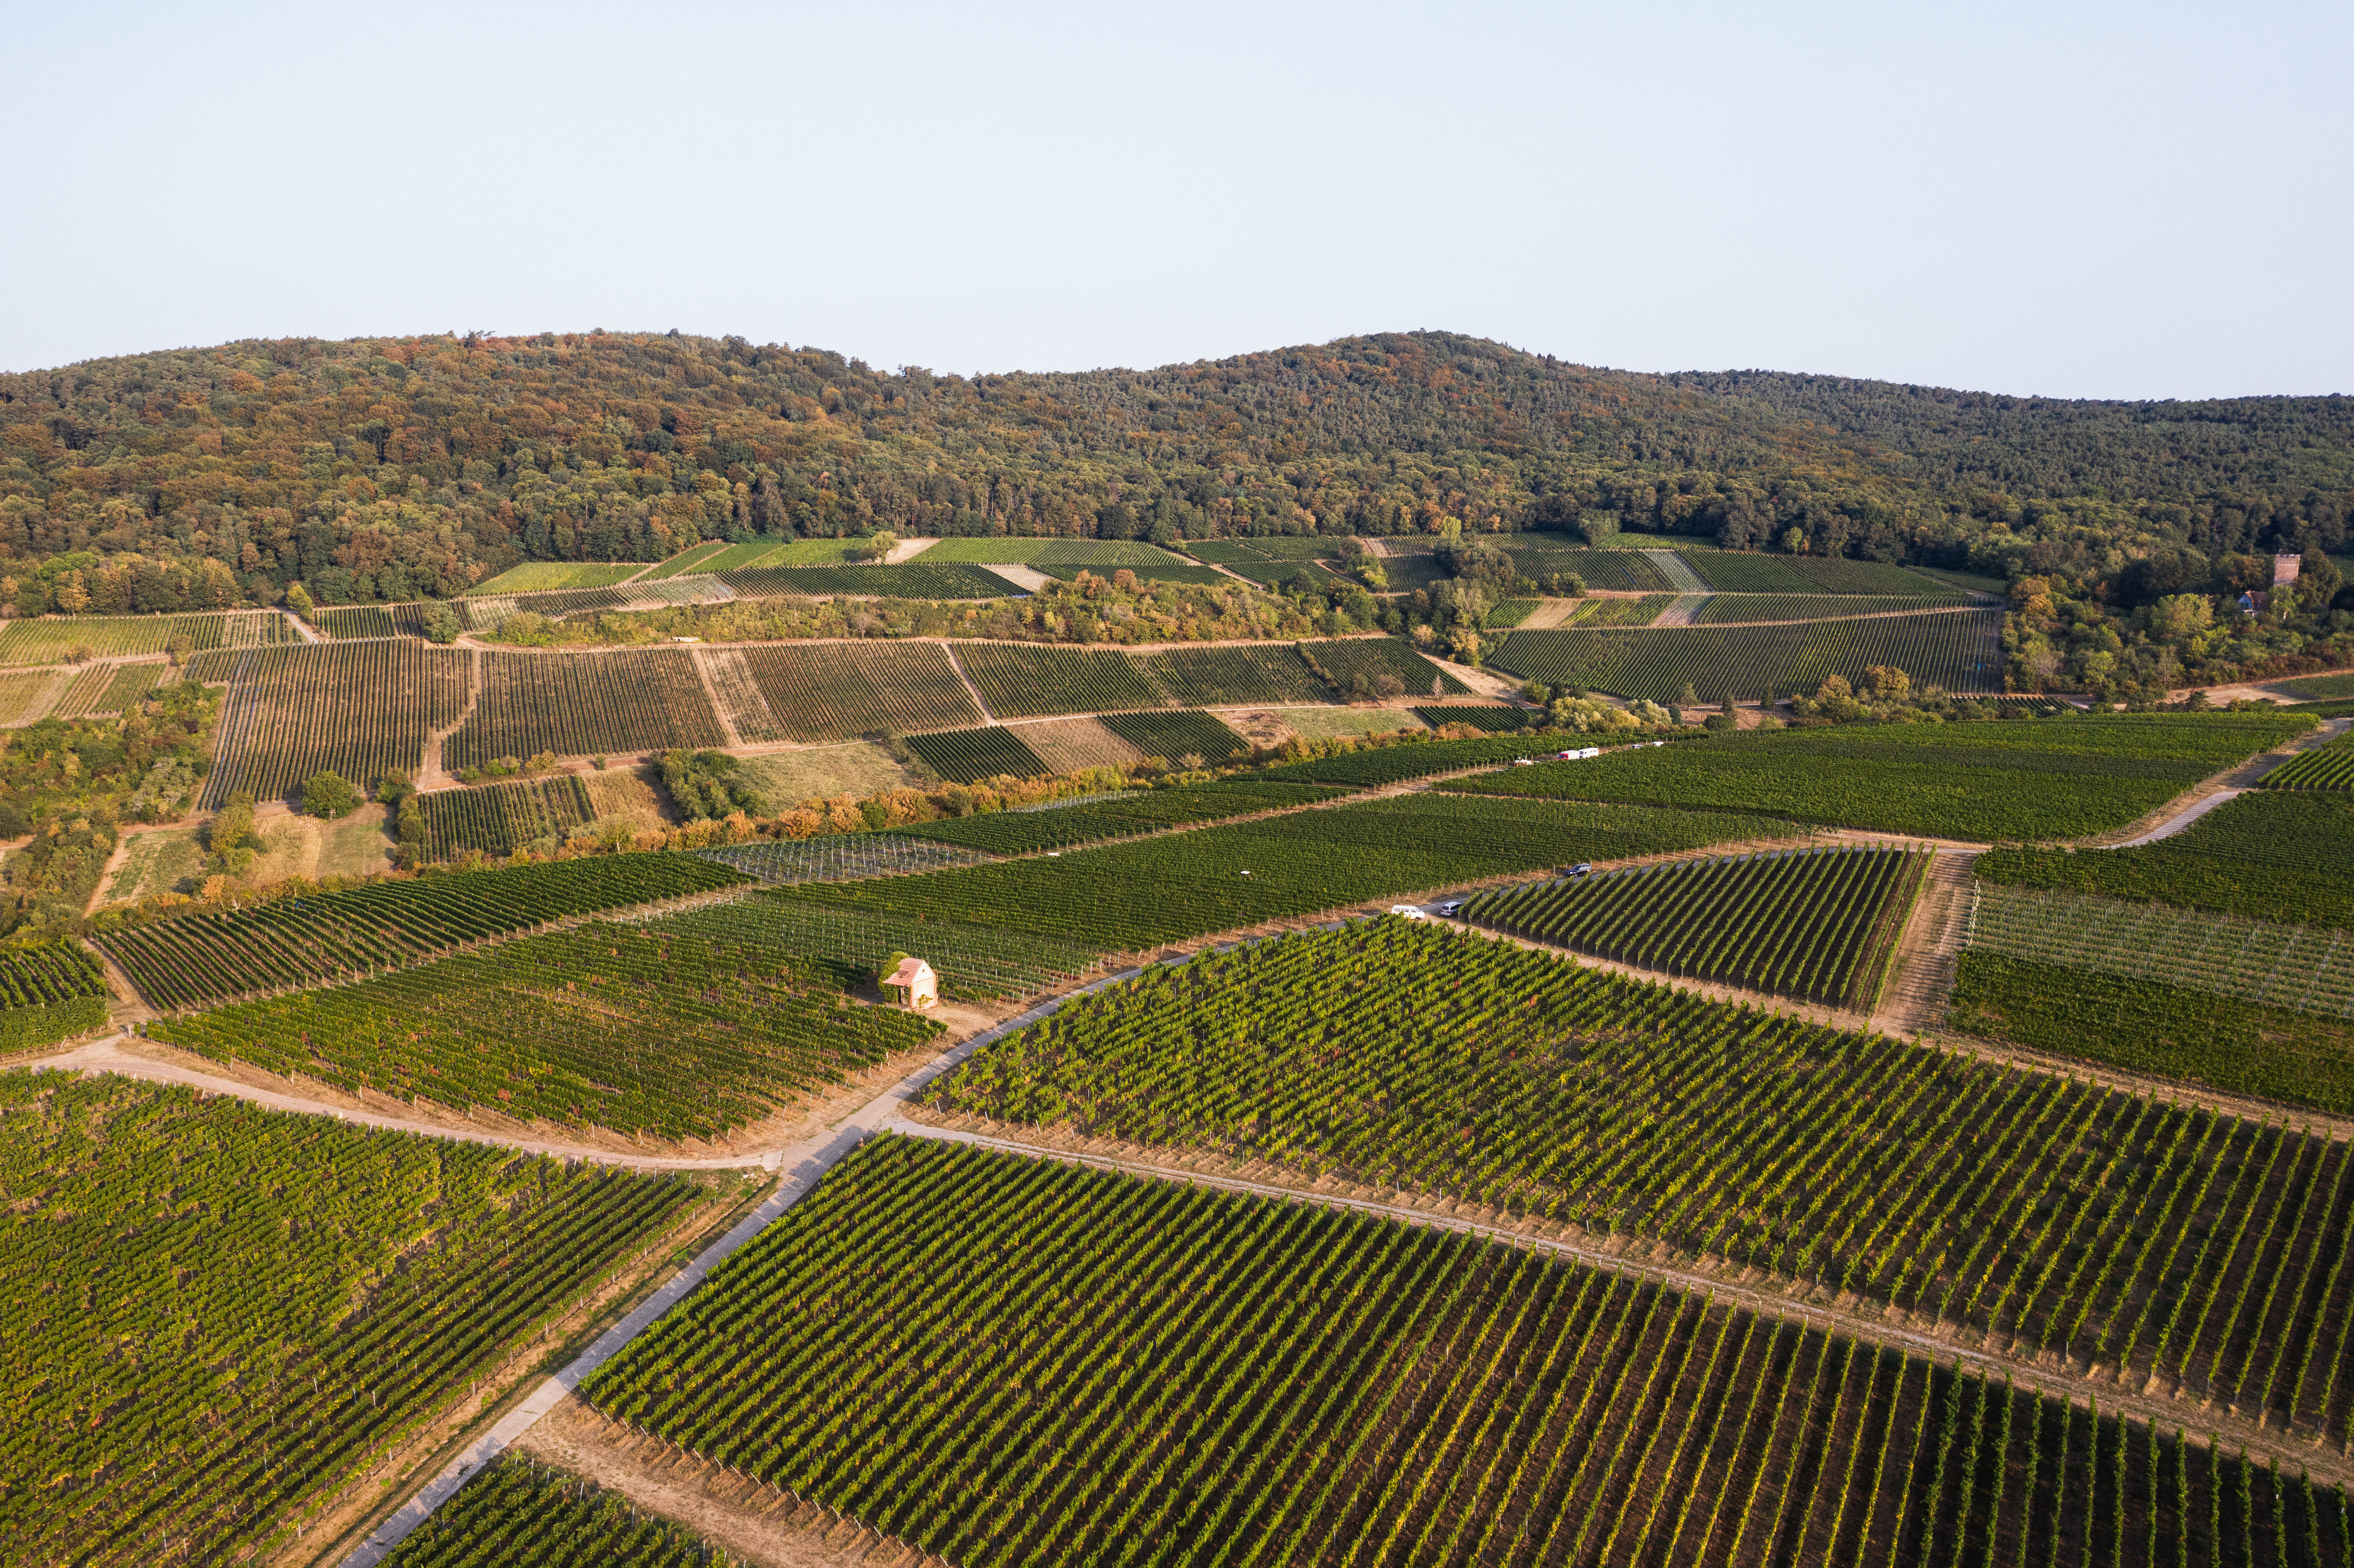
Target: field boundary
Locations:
point(957, 664)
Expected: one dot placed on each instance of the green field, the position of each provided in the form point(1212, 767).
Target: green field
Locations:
point(539, 576)
point(1739, 607)
point(2269, 854)
point(916, 579)
point(212, 1316)
point(2040, 779)
point(2321, 688)
point(1137, 896)
point(1000, 1360)
point(1959, 651)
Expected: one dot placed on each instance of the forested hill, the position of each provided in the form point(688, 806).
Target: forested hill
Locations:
point(400, 467)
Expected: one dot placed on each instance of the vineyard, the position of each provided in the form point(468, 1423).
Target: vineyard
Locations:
point(1356, 665)
point(580, 705)
point(1740, 571)
point(50, 639)
point(2142, 1025)
point(840, 857)
point(1499, 719)
point(642, 1030)
point(916, 579)
point(972, 960)
point(2330, 766)
point(2304, 968)
point(1371, 767)
point(836, 691)
point(495, 818)
point(1818, 925)
point(26, 698)
point(1101, 557)
point(516, 1511)
point(49, 991)
point(1020, 680)
point(535, 577)
point(2281, 855)
point(1539, 556)
point(1225, 677)
point(1152, 811)
point(206, 956)
point(1173, 737)
point(1133, 897)
point(2322, 688)
point(220, 1385)
point(1959, 651)
point(1741, 606)
point(352, 622)
point(2022, 780)
point(2107, 1236)
point(361, 709)
point(1165, 570)
point(970, 755)
point(1511, 612)
point(1639, 611)
point(1003, 1360)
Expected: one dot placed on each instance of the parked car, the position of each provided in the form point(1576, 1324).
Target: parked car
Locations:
point(1581, 868)
point(1408, 912)
point(1448, 908)
point(1522, 762)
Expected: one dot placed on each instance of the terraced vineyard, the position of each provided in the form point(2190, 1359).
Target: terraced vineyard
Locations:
point(1269, 560)
point(2330, 766)
point(972, 960)
point(518, 1510)
point(495, 818)
point(919, 578)
point(837, 690)
point(2105, 1235)
point(1818, 925)
point(1958, 650)
point(840, 857)
point(49, 638)
point(1134, 896)
point(2038, 779)
point(1008, 1361)
point(361, 709)
point(580, 705)
point(1173, 737)
point(1152, 811)
point(1020, 680)
point(2270, 855)
point(970, 755)
point(208, 956)
point(1741, 606)
point(638, 1029)
point(1224, 677)
point(172, 1245)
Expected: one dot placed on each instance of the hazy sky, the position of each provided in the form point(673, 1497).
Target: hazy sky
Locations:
point(2127, 200)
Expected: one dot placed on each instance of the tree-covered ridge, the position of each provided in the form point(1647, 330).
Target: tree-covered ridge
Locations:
point(405, 467)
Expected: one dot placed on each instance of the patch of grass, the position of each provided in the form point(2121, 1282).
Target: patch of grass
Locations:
point(859, 768)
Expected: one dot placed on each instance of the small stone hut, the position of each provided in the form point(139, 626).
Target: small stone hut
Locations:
point(916, 978)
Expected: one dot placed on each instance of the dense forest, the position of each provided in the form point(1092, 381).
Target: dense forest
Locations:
point(395, 468)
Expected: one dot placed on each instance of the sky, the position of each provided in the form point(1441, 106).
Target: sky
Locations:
point(2144, 200)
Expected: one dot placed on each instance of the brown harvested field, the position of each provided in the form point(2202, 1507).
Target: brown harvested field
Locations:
point(1068, 744)
point(629, 795)
point(1322, 723)
point(857, 767)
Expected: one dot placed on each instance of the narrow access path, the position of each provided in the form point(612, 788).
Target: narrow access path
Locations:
point(711, 694)
point(303, 630)
point(1921, 975)
point(2208, 793)
point(2323, 1463)
point(803, 1165)
point(958, 665)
